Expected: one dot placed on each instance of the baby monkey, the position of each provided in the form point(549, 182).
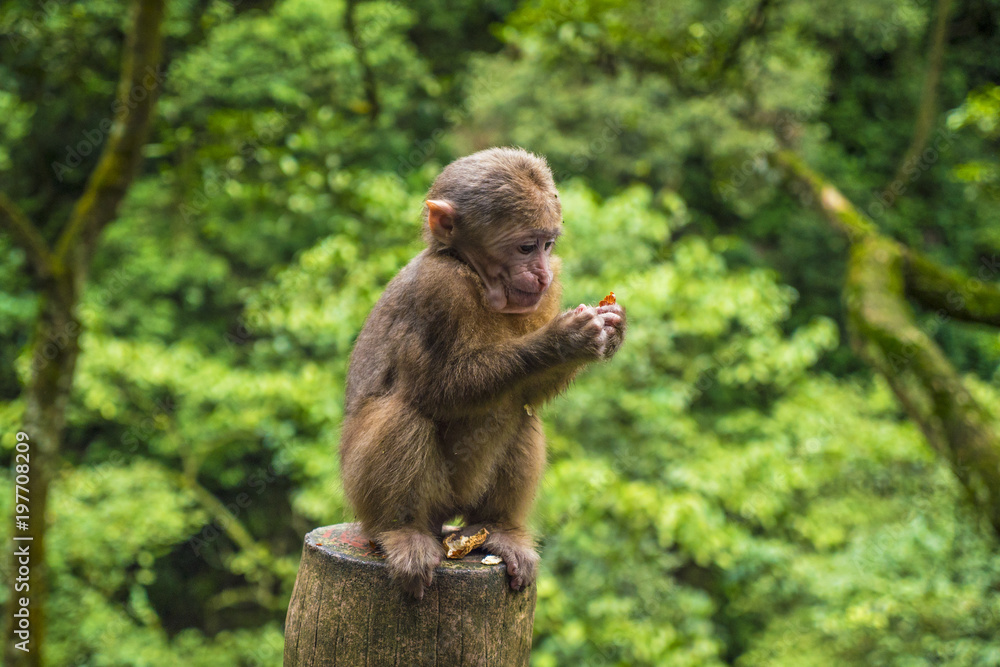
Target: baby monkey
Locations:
point(466, 339)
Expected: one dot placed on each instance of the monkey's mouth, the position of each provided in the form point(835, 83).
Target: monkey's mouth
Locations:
point(521, 299)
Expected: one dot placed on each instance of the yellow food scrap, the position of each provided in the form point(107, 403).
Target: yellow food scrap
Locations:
point(457, 545)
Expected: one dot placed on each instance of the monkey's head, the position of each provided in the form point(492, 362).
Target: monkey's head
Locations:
point(498, 210)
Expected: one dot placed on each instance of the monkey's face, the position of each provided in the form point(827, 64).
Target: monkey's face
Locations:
point(499, 210)
point(517, 271)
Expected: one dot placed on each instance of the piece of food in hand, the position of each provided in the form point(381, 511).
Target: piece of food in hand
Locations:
point(457, 545)
point(609, 300)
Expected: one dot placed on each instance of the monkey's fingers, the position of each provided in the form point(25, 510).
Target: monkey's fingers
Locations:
point(603, 339)
point(516, 582)
point(522, 565)
point(614, 316)
point(583, 318)
point(582, 308)
point(611, 319)
point(415, 586)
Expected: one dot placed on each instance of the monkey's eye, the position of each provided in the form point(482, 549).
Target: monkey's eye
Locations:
point(549, 244)
point(526, 249)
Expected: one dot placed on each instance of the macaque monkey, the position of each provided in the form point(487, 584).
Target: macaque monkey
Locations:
point(466, 340)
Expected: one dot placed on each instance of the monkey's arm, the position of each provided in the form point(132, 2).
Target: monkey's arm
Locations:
point(453, 355)
point(534, 366)
point(546, 385)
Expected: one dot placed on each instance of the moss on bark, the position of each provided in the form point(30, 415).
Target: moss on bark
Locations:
point(881, 274)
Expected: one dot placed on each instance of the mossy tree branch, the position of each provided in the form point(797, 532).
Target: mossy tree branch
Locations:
point(55, 344)
point(881, 273)
point(115, 169)
point(944, 289)
point(884, 331)
point(814, 189)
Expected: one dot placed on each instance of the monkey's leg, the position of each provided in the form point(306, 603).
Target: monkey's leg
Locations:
point(395, 478)
point(505, 507)
point(411, 554)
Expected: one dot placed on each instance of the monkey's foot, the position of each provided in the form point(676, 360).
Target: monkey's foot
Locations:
point(411, 556)
point(516, 550)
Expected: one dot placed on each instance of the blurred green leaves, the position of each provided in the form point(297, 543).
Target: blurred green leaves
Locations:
point(732, 489)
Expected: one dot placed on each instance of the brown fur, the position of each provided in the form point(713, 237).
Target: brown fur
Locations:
point(435, 424)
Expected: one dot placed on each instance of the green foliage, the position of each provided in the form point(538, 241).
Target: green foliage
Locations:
point(981, 113)
point(733, 488)
point(786, 505)
point(688, 97)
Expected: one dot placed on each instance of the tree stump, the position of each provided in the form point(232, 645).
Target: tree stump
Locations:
point(346, 611)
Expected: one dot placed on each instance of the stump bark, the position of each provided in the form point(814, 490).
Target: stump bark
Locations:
point(345, 610)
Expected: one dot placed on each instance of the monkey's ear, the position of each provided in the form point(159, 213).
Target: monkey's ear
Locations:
point(440, 218)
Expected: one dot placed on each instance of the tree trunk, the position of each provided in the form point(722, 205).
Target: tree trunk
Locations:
point(881, 274)
point(54, 353)
point(885, 332)
point(346, 610)
point(60, 271)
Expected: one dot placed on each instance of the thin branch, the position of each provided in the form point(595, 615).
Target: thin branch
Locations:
point(754, 26)
point(367, 73)
point(927, 110)
point(230, 597)
point(27, 236)
point(221, 515)
point(930, 284)
point(133, 107)
point(838, 210)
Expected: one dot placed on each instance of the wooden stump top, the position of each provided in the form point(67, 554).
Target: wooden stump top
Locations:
point(346, 610)
point(345, 541)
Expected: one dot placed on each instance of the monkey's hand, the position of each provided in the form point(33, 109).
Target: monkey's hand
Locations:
point(516, 549)
point(581, 333)
point(411, 556)
point(614, 326)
